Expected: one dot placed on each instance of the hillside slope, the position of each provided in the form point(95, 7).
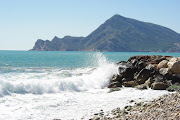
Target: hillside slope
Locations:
point(118, 34)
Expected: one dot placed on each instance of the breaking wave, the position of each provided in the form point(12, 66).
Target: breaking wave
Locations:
point(55, 80)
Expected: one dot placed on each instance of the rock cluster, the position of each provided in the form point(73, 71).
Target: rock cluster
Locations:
point(156, 72)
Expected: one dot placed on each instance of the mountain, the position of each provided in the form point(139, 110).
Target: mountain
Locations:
point(118, 34)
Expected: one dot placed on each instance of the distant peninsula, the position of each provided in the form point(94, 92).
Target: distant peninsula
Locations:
point(118, 34)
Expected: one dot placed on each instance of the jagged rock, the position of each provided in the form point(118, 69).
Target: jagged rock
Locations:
point(129, 84)
point(148, 82)
point(162, 64)
point(151, 66)
point(143, 75)
point(122, 63)
point(159, 86)
point(146, 85)
point(142, 71)
point(126, 72)
point(116, 77)
point(158, 78)
point(116, 81)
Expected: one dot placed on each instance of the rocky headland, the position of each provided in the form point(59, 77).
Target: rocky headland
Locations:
point(118, 34)
point(142, 72)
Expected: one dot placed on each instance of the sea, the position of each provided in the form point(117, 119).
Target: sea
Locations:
point(47, 85)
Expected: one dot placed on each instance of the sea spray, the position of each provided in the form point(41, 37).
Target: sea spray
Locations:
point(50, 80)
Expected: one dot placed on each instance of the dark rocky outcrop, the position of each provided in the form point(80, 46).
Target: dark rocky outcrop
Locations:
point(142, 72)
point(118, 34)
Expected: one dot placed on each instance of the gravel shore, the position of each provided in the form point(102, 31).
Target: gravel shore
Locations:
point(166, 107)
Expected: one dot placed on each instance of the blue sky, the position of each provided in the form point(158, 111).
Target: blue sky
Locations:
point(22, 22)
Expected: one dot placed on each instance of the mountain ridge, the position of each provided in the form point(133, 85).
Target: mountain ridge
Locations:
point(118, 34)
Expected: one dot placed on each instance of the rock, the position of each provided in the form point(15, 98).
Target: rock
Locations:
point(116, 77)
point(159, 86)
point(96, 118)
point(114, 89)
point(131, 101)
point(162, 64)
point(141, 87)
point(126, 79)
point(151, 66)
point(174, 88)
point(129, 84)
point(164, 71)
point(158, 78)
point(175, 67)
point(115, 84)
point(128, 108)
point(116, 81)
point(175, 79)
point(126, 72)
point(174, 59)
point(123, 64)
point(148, 82)
point(143, 75)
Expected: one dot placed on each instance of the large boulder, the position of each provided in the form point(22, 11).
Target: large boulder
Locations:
point(175, 67)
point(159, 86)
point(162, 64)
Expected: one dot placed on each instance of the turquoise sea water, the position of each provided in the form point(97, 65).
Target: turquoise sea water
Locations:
point(58, 59)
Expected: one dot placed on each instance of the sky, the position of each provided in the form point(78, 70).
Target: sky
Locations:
point(22, 22)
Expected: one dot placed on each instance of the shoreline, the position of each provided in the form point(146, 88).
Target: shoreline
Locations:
point(143, 72)
point(163, 108)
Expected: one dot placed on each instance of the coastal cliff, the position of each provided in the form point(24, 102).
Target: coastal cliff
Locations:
point(118, 34)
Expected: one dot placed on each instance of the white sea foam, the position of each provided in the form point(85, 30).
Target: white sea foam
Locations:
point(50, 80)
point(69, 105)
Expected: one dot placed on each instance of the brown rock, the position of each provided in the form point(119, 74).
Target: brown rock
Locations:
point(141, 87)
point(159, 86)
point(175, 67)
point(129, 84)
